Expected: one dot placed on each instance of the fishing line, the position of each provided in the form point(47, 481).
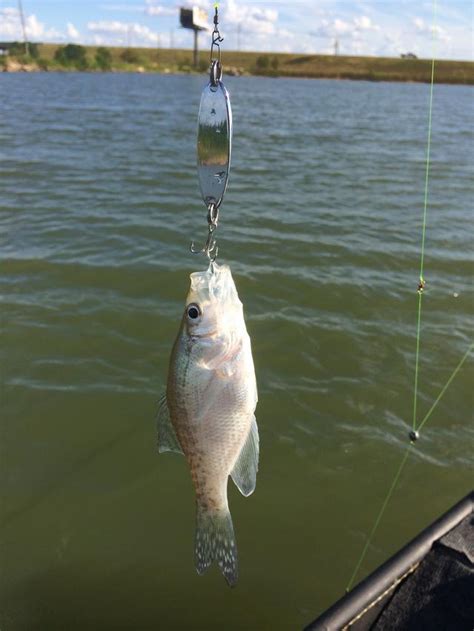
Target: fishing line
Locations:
point(379, 517)
point(455, 372)
point(414, 434)
point(400, 469)
point(421, 284)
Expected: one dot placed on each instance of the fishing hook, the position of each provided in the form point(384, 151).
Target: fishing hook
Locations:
point(210, 248)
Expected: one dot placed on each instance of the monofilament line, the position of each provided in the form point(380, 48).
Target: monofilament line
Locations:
point(400, 469)
point(418, 327)
point(379, 517)
point(438, 398)
point(423, 232)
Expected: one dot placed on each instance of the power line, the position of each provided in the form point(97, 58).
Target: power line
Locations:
point(23, 26)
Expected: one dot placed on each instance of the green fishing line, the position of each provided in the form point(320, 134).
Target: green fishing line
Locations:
point(418, 328)
point(379, 517)
point(454, 373)
point(421, 284)
point(421, 287)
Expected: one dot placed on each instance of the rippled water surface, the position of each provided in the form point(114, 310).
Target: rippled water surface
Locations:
point(321, 225)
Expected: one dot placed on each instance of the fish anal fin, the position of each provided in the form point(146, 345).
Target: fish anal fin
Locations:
point(167, 439)
point(244, 473)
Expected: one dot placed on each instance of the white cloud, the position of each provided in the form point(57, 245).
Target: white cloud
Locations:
point(72, 32)
point(335, 27)
point(419, 23)
point(340, 27)
point(257, 21)
point(364, 23)
point(10, 27)
point(122, 33)
point(123, 8)
point(158, 9)
point(433, 31)
point(202, 4)
point(10, 23)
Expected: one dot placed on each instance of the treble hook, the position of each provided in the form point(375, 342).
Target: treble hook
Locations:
point(210, 248)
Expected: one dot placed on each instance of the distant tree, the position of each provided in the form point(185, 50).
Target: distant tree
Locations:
point(203, 65)
point(262, 62)
point(185, 63)
point(103, 58)
point(42, 63)
point(33, 50)
point(18, 49)
point(73, 56)
point(130, 56)
point(275, 63)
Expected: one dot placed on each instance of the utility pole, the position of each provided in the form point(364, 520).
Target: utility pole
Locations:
point(194, 19)
point(196, 49)
point(23, 26)
point(238, 35)
point(336, 47)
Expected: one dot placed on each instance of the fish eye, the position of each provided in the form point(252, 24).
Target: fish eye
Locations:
point(193, 311)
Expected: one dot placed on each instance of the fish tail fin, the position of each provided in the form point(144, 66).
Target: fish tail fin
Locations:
point(215, 541)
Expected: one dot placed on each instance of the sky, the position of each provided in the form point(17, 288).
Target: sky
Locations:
point(361, 27)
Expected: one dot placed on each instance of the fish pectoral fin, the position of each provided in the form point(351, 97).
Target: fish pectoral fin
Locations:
point(167, 439)
point(245, 469)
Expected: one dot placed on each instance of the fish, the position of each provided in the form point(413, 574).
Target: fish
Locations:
point(208, 412)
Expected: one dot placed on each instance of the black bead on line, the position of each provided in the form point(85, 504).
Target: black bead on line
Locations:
point(413, 436)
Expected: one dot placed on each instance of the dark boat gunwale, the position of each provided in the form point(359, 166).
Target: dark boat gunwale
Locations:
point(391, 573)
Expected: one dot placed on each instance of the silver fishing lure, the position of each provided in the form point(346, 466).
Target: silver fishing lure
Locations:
point(214, 145)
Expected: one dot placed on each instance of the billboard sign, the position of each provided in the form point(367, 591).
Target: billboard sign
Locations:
point(195, 18)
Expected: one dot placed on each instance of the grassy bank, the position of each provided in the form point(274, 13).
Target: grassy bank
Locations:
point(269, 64)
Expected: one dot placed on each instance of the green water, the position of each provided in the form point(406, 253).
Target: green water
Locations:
point(321, 225)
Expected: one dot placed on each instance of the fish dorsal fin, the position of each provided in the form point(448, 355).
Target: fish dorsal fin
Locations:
point(167, 439)
point(245, 469)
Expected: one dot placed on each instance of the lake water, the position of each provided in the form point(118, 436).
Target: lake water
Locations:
point(321, 225)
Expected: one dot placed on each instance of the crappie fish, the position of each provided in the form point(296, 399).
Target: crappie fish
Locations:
point(208, 410)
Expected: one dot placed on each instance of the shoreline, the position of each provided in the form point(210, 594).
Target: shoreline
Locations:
point(29, 69)
point(237, 63)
